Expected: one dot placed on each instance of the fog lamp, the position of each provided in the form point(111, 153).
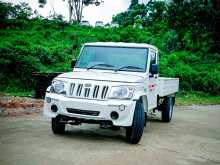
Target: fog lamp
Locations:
point(121, 107)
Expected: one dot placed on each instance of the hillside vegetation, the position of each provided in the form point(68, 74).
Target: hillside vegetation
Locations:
point(37, 44)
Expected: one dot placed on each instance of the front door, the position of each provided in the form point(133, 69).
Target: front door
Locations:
point(152, 81)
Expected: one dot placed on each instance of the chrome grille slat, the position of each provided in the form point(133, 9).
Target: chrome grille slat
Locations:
point(79, 90)
point(72, 86)
point(95, 91)
point(104, 92)
point(86, 90)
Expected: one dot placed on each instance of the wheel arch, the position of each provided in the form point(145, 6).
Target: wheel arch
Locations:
point(144, 100)
point(173, 96)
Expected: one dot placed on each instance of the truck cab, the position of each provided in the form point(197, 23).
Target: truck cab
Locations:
point(112, 84)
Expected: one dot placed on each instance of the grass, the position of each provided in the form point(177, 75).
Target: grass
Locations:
point(16, 92)
point(196, 98)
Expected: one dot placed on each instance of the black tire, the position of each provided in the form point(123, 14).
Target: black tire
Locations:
point(134, 133)
point(56, 126)
point(167, 109)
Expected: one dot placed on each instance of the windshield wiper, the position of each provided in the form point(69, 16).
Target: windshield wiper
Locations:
point(104, 65)
point(128, 67)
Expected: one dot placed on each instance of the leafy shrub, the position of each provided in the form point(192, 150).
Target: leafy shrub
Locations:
point(17, 68)
point(187, 52)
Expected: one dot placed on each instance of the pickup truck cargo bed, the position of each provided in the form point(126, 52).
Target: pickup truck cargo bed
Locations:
point(168, 86)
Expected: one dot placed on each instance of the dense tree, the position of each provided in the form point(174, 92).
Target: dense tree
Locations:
point(152, 11)
point(199, 19)
point(20, 11)
point(6, 10)
point(129, 17)
point(156, 11)
point(133, 3)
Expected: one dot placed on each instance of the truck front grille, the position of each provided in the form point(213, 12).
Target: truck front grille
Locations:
point(89, 91)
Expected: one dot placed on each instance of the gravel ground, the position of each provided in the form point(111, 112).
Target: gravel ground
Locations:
point(19, 106)
point(193, 137)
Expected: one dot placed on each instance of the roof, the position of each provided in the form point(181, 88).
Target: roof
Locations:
point(121, 44)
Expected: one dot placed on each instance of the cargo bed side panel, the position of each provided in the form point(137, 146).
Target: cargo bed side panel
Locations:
point(168, 86)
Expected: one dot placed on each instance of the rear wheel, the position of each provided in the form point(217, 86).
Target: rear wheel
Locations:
point(134, 133)
point(167, 109)
point(57, 126)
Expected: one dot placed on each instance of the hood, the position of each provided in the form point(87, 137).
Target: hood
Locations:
point(102, 76)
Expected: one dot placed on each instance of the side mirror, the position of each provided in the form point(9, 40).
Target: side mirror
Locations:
point(154, 69)
point(73, 62)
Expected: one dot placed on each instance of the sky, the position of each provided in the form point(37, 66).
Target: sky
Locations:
point(104, 12)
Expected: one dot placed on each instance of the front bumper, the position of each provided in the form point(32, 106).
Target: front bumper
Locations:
point(105, 108)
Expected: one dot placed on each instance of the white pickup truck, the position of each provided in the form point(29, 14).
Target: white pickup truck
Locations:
point(114, 85)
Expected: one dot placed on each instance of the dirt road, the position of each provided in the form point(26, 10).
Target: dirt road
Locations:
point(193, 137)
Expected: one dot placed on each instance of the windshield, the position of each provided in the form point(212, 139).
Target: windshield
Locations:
point(113, 58)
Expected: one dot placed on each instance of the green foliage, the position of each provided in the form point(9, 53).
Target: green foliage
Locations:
point(21, 11)
point(6, 9)
point(30, 45)
point(128, 17)
point(133, 3)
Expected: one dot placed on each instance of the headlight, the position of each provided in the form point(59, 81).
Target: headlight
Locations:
point(121, 92)
point(58, 87)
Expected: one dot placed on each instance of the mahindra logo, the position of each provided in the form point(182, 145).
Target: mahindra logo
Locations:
point(88, 85)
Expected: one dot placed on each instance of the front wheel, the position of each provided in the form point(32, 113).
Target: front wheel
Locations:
point(167, 110)
point(134, 133)
point(57, 126)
